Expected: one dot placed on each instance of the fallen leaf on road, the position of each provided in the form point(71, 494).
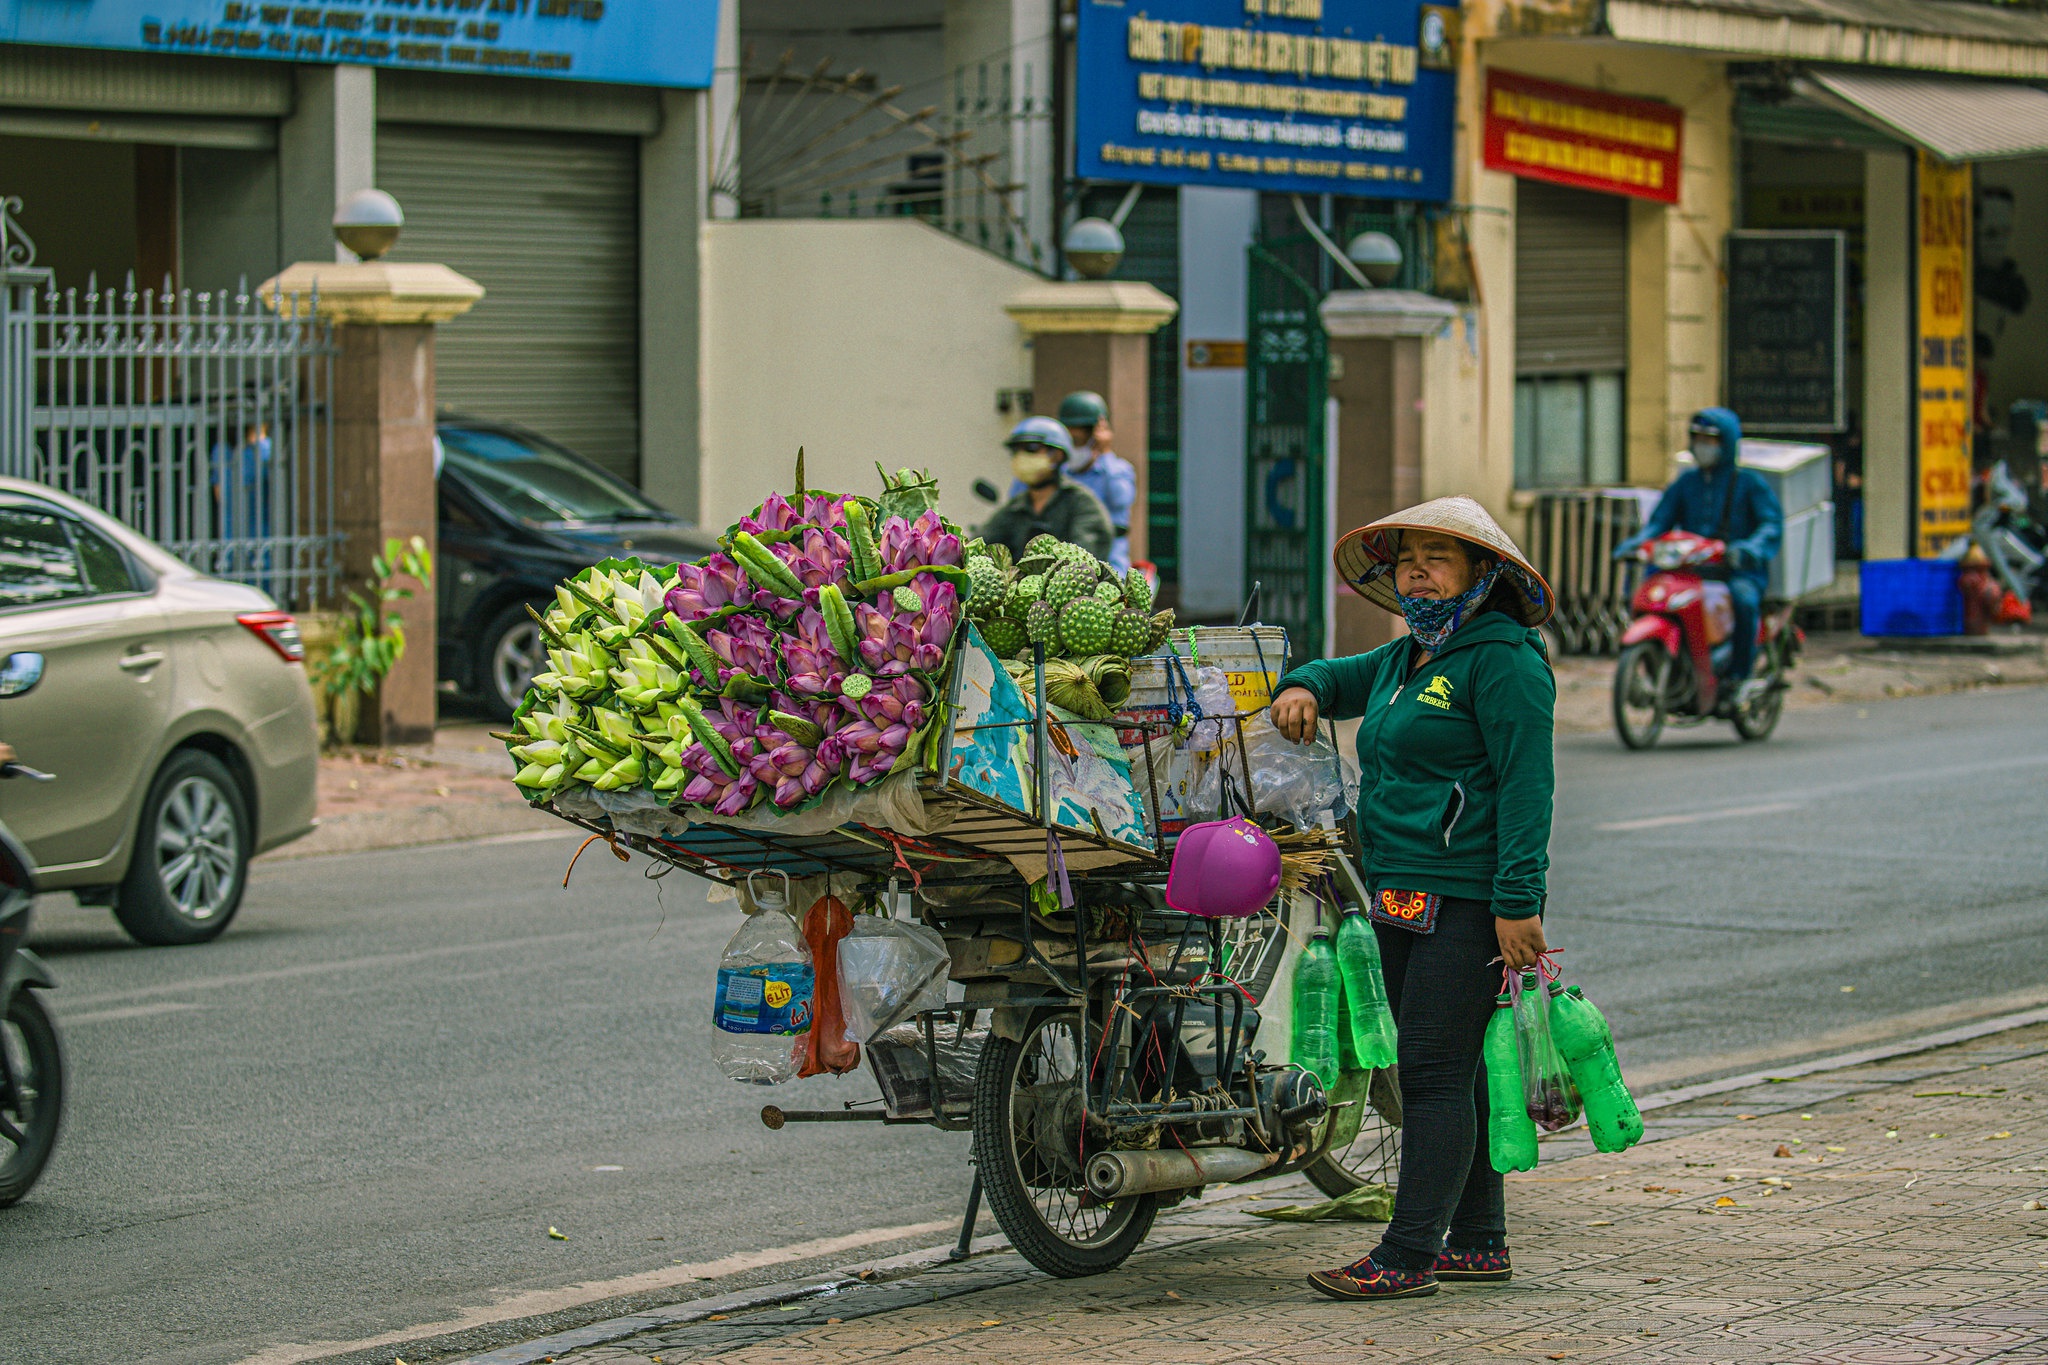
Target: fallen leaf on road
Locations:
point(1724, 1202)
point(1601, 1223)
point(1838, 1149)
point(716, 1317)
point(1653, 1189)
point(1171, 1294)
point(1745, 1117)
point(1783, 1150)
point(1996, 1136)
point(558, 1235)
point(1937, 1135)
point(1654, 1279)
point(1848, 990)
point(1731, 1179)
point(993, 1322)
point(829, 1322)
point(1558, 1355)
point(1806, 1118)
point(2034, 1206)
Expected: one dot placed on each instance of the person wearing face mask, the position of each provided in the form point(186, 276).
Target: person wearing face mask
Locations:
point(1046, 501)
point(1718, 499)
point(1457, 776)
point(1100, 470)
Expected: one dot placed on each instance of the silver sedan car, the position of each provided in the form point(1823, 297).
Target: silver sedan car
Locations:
point(170, 710)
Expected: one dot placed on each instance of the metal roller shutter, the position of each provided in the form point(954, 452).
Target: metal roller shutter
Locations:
point(1571, 280)
point(549, 224)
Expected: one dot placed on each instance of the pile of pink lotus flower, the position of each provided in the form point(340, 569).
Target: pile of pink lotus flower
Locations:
point(785, 706)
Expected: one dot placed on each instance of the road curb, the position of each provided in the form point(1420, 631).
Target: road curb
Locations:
point(1880, 1052)
point(789, 1291)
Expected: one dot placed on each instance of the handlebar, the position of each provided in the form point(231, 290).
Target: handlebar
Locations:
point(17, 769)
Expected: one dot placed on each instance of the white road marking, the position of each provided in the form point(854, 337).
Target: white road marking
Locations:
point(306, 969)
point(1699, 817)
point(131, 1012)
point(535, 1302)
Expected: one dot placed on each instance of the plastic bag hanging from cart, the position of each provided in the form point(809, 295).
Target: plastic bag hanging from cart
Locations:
point(1547, 1089)
point(889, 970)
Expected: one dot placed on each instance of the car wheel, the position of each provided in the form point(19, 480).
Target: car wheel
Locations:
point(510, 653)
point(191, 857)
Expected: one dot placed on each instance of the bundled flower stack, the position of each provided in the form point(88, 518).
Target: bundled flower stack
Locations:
point(805, 652)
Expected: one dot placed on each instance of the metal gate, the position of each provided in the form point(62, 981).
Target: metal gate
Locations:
point(204, 421)
point(1286, 496)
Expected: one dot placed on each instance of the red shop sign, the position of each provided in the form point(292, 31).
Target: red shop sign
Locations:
point(1585, 138)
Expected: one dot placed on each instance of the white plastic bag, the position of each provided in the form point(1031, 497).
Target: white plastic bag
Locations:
point(1298, 781)
point(889, 970)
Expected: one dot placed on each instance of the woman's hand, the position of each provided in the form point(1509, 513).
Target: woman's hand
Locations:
point(1520, 940)
point(1294, 714)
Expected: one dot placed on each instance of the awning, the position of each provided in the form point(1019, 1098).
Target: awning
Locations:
point(1957, 120)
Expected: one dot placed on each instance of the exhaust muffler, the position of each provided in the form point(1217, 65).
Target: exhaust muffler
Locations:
point(1117, 1175)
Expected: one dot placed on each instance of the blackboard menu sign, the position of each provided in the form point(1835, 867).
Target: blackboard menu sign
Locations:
point(1786, 297)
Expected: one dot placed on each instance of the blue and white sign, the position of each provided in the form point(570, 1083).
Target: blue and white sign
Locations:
point(637, 42)
point(1312, 96)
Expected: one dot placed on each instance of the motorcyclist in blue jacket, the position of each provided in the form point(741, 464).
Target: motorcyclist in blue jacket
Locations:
point(1716, 498)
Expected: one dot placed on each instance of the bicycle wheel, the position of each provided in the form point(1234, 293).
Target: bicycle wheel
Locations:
point(1032, 1150)
point(1373, 1155)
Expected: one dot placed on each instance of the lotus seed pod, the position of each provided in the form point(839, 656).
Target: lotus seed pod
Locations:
point(1041, 624)
point(856, 686)
point(1042, 545)
point(1005, 636)
point(908, 600)
point(1138, 591)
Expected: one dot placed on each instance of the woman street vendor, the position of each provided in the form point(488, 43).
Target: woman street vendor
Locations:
point(1454, 824)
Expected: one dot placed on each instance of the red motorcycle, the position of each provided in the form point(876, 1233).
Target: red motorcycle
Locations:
point(1683, 627)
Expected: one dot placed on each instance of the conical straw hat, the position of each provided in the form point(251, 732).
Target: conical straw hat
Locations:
point(1365, 557)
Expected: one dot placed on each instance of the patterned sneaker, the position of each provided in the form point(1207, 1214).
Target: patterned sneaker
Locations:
point(1368, 1279)
point(1473, 1265)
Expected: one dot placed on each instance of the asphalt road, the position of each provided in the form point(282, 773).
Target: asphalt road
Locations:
point(362, 1110)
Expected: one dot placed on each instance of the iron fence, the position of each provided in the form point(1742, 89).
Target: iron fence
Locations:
point(203, 420)
point(1572, 535)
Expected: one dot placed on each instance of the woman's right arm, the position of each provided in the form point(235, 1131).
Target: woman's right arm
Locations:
point(1339, 686)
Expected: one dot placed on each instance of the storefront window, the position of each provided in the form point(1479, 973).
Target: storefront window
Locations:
point(1568, 430)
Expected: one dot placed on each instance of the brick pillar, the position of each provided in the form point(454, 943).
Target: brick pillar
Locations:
point(1377, 379)
point(384, 315)
point(1097, 334)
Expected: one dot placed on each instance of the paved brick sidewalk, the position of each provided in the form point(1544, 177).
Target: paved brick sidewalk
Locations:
point(1893, 1214)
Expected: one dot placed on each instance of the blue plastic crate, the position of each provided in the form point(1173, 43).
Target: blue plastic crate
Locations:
point(1911, 597)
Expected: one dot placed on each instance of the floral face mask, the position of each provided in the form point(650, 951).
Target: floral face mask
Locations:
point(1432, 619)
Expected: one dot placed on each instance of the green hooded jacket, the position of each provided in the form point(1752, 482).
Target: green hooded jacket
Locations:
point(1455, 759)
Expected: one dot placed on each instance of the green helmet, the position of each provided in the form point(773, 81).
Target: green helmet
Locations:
point(1083, 408)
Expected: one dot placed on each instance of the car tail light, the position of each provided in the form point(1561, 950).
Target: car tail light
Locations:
point(279, 630)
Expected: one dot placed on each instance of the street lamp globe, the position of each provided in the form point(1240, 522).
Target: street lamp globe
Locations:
point(1376, 255)
point(1093, 246)
point(367, 223)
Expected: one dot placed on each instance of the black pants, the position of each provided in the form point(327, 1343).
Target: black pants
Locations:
point(1442, 987)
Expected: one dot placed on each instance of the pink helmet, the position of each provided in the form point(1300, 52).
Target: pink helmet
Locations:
point(1223, 869)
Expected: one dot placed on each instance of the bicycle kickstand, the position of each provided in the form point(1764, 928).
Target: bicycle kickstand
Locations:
point(961, 1248)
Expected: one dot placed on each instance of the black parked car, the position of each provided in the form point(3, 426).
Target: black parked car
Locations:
point(518, 514)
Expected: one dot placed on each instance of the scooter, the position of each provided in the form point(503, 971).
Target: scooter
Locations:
point(1674, 654)
point(31, 1059)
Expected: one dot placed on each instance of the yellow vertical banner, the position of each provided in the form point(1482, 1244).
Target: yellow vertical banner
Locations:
point(1943, 366)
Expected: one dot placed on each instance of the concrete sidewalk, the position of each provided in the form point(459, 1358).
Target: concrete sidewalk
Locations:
point(1890, 1212)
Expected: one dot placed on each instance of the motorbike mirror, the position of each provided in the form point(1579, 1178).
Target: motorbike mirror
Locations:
point(20, 673)
point(986, 491)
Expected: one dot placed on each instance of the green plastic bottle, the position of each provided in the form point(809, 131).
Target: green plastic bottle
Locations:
point(1587, 1043)
point(1365, 992)
point(1510, 1135)
point(1317, 988)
